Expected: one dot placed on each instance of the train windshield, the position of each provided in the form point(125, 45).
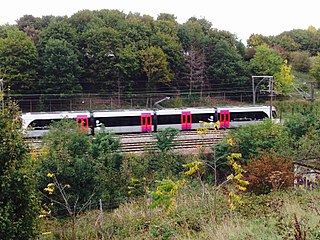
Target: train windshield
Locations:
point(274, 114)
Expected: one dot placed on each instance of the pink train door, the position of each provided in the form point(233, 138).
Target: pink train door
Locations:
point(82, 122)
point(146, 122)
point(224, 119)
point(186, 120)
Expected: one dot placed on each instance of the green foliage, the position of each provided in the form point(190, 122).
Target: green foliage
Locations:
point(156, 67)
point(256, 40)
point(18, 59)
point(165, 194)
point(19, 202)
point(250, 139)
point(165, 139)
point(60, 30)
point(266, 61)
point(111, 51)
point(90, 167)
point(309, 145)
point(315, 67)
point(99, 56)
point(225, 64)
point(106, 156)
point(66, 156)
point(284, 79)
point(171, 47)
point(297, 125)
point(60, 68)
point(300, 61)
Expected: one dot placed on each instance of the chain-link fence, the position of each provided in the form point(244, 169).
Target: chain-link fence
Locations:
point(49, 103)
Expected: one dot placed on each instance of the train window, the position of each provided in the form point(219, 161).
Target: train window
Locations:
point(169, 119)
point(119, 121)
point(42, 124)
point(248, 116)
point(201, 117)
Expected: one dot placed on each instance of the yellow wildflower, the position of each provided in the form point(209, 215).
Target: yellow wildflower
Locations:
point(50, 175)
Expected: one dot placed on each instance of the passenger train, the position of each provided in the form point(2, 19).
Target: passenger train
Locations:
point(135, 121)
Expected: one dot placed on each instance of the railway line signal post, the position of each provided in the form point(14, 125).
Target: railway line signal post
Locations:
point(1, 94)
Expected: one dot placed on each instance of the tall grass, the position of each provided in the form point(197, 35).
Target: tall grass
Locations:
point(278, 215)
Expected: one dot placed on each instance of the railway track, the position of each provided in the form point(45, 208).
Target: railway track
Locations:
point(185, 142)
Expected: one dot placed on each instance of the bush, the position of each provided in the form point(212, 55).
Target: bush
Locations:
point(19, 204)
point(91, 167)
point(250, 139)
point(268, 172)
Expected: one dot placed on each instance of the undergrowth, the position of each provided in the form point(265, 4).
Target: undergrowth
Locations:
point(291, 214)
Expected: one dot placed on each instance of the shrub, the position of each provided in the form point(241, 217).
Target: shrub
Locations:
point(250, 139)
point(269, 171)
point(19, 204)
point(89, 166)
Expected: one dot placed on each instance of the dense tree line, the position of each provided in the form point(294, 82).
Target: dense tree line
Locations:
point(110, 51)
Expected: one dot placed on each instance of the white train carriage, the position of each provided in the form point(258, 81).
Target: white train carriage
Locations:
point(135, 121)
point(231, 117)
point(36, 124)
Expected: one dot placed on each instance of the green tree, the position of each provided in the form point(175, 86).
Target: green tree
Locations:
point(300, 40)
point(18, 61)
point(19, 203)
point(308, 146)
point(126, 68)
point(89, 167)
point(298, 125)
point(99, 53)
point(31, 26)
point(66, 156)
point(287, 42)
point(194, 33)
point(167, 24)
point(266, 61)
point(165, 139)
point(284, 79)
point(138, 30)
point(155, 65)
point(106, 155)
point(256, 40)
point(60, 68)
point(114, 19)
point(83, 20)
point(58, 29)
point(171, 47)
point(250, 139)
point(315, 68)
point(300, 61)
point(225, 65)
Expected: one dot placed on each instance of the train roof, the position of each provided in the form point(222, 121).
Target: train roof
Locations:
point(245, 108)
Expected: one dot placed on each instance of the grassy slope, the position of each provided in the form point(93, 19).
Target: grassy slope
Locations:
point(278, 215)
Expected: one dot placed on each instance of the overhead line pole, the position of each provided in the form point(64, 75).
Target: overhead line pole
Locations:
point(254, 88)
point(2, 94)
point(271, 94)
point(312, 94)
